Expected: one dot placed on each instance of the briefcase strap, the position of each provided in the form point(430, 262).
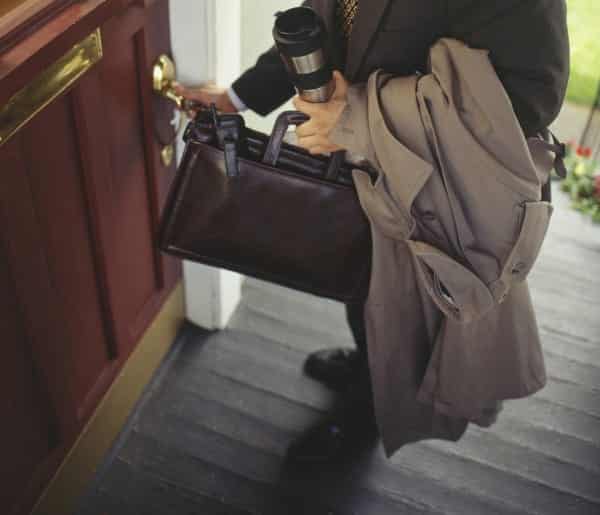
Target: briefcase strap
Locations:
point(283, 122)
point(229, 129)
point(559, 149)
point(335, 165)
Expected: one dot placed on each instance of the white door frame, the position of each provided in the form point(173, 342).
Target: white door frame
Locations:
point(203, 54)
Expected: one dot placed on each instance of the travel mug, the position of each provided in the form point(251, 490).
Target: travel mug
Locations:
point(301, 38)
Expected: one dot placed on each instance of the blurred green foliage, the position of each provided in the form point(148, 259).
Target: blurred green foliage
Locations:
point(583, 18)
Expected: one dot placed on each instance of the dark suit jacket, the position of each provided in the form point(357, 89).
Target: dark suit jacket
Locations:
point(527, 40)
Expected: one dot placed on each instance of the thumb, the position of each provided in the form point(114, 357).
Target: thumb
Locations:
point(197, 93)
point(341, 85)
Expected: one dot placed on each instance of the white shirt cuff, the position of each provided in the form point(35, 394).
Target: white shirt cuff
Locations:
point(236, 100)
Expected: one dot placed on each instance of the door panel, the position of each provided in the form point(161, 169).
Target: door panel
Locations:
point(132, 257)
point(29, 433)
point(81, 278)
point(57, 190)
point(35, 289)
point(133, 123)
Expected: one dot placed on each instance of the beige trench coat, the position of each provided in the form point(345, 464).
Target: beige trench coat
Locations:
point(457, 223)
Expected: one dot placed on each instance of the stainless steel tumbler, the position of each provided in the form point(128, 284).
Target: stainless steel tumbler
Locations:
point(301, 38)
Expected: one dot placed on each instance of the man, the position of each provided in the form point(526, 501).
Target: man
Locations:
point(528, 45)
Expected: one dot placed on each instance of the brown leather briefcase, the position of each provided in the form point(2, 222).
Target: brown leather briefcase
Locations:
point(254, 204)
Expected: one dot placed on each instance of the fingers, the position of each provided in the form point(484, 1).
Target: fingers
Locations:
point(308, 128)
point(309, 142)
point(317, 144)
point(321, 149)
point(339, 76)
point(341, 89)
point(180, 89)
point(313, 135)
point(205, 94)
point(341, 85)
point(304, 106)
point(195, 95)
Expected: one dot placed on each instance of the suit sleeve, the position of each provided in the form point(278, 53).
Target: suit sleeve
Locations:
point(529, 48)
point(266, 85)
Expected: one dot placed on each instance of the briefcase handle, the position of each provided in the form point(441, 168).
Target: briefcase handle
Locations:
point(284, 120)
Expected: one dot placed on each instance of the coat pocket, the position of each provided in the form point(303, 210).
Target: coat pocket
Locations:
point(534, 226)
point(457, 291)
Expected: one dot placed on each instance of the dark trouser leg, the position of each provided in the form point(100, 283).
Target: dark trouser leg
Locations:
point(361, 388)
point(351, 424)
point(356, 321)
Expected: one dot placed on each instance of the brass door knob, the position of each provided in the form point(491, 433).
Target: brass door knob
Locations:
point(163, 76)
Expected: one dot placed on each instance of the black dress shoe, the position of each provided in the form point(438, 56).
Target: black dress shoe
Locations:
point(337, 368)
point(342, 434)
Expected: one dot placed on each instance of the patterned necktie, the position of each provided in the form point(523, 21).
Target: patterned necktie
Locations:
point(345, 13)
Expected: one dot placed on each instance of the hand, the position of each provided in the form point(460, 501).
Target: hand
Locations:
point(313, 135)
point(207, 94)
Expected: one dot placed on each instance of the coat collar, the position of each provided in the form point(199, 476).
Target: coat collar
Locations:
point(366, 24)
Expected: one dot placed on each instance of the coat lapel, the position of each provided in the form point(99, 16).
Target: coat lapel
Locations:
point(368, 19)
point(366, 24)
point(326, 9)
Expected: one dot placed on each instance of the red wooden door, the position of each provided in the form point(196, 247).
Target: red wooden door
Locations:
point(80, 197)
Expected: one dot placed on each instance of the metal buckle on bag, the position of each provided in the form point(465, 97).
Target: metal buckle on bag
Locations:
point(201, 128)
point(559, 149)
point(190, 132)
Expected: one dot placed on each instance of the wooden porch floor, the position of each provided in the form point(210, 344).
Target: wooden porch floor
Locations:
point(210, 433)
